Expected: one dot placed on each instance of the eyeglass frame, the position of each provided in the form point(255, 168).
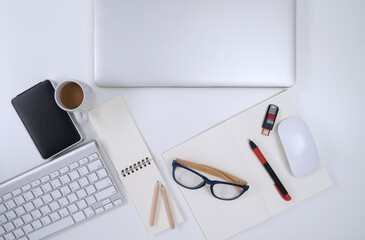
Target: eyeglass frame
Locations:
point(231, 180)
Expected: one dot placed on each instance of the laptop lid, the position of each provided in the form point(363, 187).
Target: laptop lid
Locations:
point(194, 43)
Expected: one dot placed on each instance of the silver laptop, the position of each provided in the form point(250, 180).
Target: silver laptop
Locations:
point(195, 43)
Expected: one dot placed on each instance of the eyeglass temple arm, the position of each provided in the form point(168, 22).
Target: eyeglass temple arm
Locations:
point(213, 171)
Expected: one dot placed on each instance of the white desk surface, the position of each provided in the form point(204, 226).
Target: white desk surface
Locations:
point(42, 39)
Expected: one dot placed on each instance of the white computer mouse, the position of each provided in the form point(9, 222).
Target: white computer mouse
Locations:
point(299, 146)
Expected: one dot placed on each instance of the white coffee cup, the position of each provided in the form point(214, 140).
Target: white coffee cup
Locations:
point(78, 107)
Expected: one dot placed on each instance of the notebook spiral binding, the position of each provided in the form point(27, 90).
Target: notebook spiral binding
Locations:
point(135, 167)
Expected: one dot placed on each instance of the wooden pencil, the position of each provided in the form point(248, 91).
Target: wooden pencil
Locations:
point(154, 203)
point(167, 206)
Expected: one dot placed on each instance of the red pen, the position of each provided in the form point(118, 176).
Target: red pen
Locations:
point(278, 185)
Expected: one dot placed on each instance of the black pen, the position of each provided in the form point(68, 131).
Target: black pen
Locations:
point(278, 185)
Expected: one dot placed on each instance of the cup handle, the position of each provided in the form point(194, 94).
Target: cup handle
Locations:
point(81, 117)
point(86, 88)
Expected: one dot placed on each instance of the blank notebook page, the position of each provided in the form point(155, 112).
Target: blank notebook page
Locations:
point(126, 148)
point(226, 147)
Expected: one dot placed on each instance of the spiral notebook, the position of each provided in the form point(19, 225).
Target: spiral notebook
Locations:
point(134, 163)
point(226, 147)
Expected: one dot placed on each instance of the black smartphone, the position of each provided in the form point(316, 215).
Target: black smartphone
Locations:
point(51, 128)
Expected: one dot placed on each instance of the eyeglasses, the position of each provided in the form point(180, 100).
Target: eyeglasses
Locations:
point(185, 176)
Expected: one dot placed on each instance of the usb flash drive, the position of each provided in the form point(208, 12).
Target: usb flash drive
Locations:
point(268, 124)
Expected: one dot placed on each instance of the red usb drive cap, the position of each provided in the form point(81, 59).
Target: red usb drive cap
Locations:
point(286, 197)
point(271, 116)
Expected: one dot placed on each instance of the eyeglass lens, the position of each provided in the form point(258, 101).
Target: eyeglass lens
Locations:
point(187, 178)
point(226, 191)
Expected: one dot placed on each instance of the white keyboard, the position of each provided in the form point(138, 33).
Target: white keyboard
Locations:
point(56, 195)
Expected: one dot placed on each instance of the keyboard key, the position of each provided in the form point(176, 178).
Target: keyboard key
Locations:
point(16, 191)
point(47, 198)
point(38, 202)
point(2, 208)
point(26, 187)
point(19, 200)
point(9, 236)
point(10, 204)
point(55, 216)
point(65, 190)
point(90, 200)
point(37, 192)
point(10, 215)
point(83, 171)
point(36, 214)
point(72, 197)
point(105, 193)
point(74, 175)
point(54, 206)
point(45, 178)
point(81, 204)
point(18, 233)
point(56, 194)
point(72, 208)
point(27, 218)
point(109, 205)
point(118, 201)
point(28, 228)
point(89, 212)
point(63, 212)
point(65, 179)
point(106, 201)
point(64, 170)
point(94, 165)
point(99, 210)
point(3, 219)
point(36, 224)
point(74, 186)
point(93, 156)
point(92, 178)
point(9, 226)
point(79, 216)
point(55, 183)
point(19, 210)
point(28, 196)
point(83, 182)
point(101, 173)
point(45, 220)
point(46, 187)
point(7, 196)
point(18, 222)
point(2, 230)
point(55, 174)
point(51, 228)
point(81, 193)
point(103, 183)
point(36, 183)
point(63, 201)
point(83, 161)
point(45, 210)
point(29, 206)
point(74, 165)
point(90, 189)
